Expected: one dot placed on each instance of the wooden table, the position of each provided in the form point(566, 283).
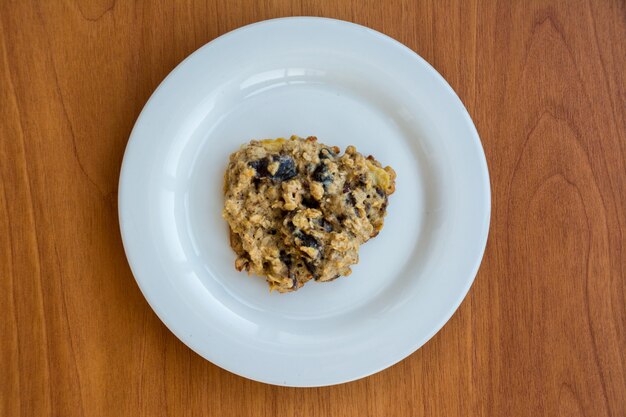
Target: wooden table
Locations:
point(541, 333)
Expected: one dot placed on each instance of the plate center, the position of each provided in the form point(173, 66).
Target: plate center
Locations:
point(337, 116)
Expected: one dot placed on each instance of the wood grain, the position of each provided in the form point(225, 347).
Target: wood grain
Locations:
point(543, 330)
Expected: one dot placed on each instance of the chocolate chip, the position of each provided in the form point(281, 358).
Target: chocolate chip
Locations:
point(286, 259)
point(286, 168)
point(312, 269)
point(325, 224)
point(309, 202)
point(346, 188)
point(271, 232)
point(260, 166)
point(326, 153)
point(351, 200)
point(321, 174)
point(306, 240)
point(380, 192)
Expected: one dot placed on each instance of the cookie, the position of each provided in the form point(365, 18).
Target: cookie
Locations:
point(298, 210)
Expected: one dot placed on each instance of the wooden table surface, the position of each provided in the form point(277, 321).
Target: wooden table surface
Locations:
point(542, 331)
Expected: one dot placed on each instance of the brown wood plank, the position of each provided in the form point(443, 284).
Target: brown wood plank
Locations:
point(543, 330)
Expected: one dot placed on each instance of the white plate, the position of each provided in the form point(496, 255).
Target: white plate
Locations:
point(346, 84)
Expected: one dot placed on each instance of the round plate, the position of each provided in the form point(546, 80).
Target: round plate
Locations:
point(345, 84)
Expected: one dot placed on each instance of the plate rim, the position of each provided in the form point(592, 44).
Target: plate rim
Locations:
point(482, 242)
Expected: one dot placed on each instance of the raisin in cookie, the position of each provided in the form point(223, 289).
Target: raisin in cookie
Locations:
point(297, 210)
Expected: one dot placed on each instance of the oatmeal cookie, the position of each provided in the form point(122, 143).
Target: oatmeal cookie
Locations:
point(297, 210)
